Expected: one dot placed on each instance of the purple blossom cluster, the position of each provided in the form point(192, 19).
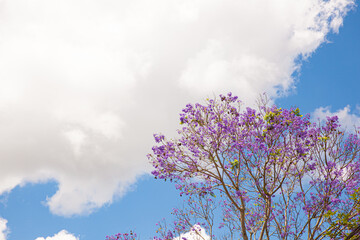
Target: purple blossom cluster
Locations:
point(123, 236)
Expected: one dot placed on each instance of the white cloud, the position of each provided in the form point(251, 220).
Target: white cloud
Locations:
point(347, 119)
point(195, 233)
point(84, 84)
point(62, 235)
point(3, 229)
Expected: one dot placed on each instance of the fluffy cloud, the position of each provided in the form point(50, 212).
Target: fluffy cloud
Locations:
point(84, 84)
point(62, 235)
point(195, 233)
point(347, 119)
point(3, 229)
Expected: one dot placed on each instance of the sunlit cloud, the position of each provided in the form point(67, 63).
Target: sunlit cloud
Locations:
point(62, 235)
point(85, 84)
point(347, 119)
point(4, 230)
point(196, 233)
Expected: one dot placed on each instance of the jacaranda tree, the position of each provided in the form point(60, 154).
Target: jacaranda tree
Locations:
point(272, 173)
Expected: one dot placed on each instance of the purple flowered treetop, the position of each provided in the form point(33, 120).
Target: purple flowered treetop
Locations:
point(273, 173)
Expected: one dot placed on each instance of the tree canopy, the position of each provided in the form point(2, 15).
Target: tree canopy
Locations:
point(272, 172)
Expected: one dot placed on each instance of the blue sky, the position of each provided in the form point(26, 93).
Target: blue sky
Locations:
point(86, 83)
